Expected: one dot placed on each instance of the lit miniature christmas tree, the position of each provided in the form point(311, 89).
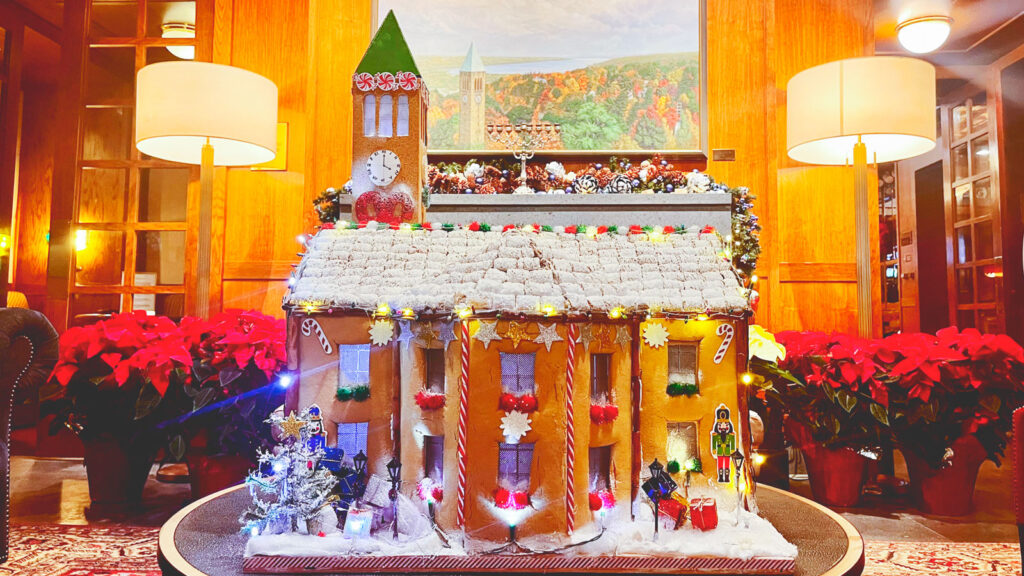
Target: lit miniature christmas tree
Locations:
point(291, 491)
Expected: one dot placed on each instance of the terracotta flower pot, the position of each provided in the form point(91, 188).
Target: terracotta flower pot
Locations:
point(116, 476)
point(209, 474)
point(947, 491)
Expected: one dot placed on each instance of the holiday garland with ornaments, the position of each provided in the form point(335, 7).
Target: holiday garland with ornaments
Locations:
point(618, 176)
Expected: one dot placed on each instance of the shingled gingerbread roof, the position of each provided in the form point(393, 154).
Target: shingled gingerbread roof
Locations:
point(516, 271)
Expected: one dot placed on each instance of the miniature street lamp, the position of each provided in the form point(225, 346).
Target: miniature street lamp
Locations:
point(394, 475)
point(658, 487)
point(359, 461)
point(737, 462)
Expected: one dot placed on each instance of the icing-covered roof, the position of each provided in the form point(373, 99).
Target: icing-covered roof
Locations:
point(515, 271)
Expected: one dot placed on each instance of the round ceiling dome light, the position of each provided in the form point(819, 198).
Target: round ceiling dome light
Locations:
point(180, 30)
point(924, 34)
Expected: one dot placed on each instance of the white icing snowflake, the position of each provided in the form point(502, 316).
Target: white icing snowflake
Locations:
point(548, 335)
point(515, 425)
point(487, 332)
point(381, 332)
point(655, 335)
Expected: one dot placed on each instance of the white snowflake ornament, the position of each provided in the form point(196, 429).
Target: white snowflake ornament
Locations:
point(515, 425)
point(655, 335)
point(381, 332)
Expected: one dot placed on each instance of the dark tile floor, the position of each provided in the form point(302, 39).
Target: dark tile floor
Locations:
point(56, 491)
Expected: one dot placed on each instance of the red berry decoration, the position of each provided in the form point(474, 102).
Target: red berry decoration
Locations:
point(527, 403)
point(507, 402)
point(595, 502)
point(611, 412)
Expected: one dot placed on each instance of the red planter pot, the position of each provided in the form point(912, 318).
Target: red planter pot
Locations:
point(948, 491)
point(116, 476)
point(209, 474)
point(836, 475)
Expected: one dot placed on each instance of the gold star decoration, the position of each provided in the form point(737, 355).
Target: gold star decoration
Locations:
point(425, 332)
point(292, 426)
point(586, 335)
point(516, 333)
point(622, 337)
point(606, 335)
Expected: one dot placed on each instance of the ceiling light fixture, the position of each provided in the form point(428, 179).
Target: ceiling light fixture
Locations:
point(924, 34)
point(180, 30)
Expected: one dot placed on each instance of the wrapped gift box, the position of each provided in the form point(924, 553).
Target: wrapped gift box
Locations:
point(704, 513)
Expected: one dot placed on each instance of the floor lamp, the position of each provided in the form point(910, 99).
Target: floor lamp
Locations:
point(846, 112)
point(206, 114)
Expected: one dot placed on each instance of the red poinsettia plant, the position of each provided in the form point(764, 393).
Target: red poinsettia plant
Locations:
point(429, 400)
point(922, 391)
point(832, 389)
point(123, 375)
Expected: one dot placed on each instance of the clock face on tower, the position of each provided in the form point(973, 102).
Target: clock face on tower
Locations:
point(383, 167)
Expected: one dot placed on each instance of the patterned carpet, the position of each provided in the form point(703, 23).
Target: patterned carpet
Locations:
point(118, 550)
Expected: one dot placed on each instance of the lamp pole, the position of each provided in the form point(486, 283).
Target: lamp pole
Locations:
point(205, 244)
point(863, 239)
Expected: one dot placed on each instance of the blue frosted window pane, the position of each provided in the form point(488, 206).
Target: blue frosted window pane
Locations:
point(514, 464)
point(352, 438)
point(354, 365)
point(517, 373)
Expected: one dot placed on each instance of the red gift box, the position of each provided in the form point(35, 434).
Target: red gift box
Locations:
point(704, 513)
point(674, 509)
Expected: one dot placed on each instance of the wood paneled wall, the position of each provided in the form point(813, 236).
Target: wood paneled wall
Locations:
point(35, 179)
point(310, 48)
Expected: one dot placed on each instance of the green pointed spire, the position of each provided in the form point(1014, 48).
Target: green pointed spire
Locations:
point(388, 51)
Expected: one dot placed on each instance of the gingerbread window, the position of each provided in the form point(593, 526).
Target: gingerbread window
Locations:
point(600, 377)
point(433, 457)
point(354, 365)
point(514, 464)
point(682, 364)
point(369, 115)
point(403, 116)
point(600, 468)
point(517, 373)
point(385, 126)
point(352, 438)
point(433, 358)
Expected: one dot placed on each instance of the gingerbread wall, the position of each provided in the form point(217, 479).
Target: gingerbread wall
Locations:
point(718, 385)
point(318, 383)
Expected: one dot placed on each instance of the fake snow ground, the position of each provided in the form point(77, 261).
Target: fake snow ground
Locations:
point(753, 537)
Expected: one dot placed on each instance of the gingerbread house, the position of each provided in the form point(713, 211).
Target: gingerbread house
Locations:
point(529, 368)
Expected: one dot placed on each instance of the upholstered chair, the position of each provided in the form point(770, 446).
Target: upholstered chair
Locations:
point(28, 353)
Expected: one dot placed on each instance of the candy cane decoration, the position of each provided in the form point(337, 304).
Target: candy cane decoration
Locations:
point(463, 414)
point(728, 331)
point(309, 326)
point(570, 432)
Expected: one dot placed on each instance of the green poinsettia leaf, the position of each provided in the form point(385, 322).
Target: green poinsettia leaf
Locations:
point(879, 412)
point(846, 400)
point(148, 400)
point(177, 447)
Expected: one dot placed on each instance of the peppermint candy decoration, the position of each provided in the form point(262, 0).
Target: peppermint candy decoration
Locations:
point(586, 184)
point(386, 81)
point(365, 81)
point(408, 81)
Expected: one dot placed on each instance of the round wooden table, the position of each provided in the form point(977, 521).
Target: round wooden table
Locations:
point(203, 538)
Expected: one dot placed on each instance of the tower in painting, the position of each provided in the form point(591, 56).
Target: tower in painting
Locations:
point(472, 79)
point(389, 129)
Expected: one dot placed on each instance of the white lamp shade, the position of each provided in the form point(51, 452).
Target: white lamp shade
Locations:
point(181, 105)
point(886, 101)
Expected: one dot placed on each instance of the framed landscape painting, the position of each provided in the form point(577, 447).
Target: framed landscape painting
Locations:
point(593, 75)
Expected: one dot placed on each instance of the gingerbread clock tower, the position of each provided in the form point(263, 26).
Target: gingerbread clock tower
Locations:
point(389, 130)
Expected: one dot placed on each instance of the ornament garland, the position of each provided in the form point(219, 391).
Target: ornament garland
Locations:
point(652, 176)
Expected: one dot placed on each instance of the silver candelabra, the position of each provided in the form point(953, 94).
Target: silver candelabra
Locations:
point(523, 140)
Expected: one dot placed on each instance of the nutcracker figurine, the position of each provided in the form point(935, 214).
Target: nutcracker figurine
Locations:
point(317, 437)
point(723, 442)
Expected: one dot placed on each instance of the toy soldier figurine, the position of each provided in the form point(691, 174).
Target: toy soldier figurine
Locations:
point(723, 442)
point(317, 437)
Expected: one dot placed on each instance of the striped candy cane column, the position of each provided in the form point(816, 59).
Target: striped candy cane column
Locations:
point(463, 414)
point(570, 431)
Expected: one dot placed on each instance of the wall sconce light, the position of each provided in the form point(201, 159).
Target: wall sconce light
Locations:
point(180, 30)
